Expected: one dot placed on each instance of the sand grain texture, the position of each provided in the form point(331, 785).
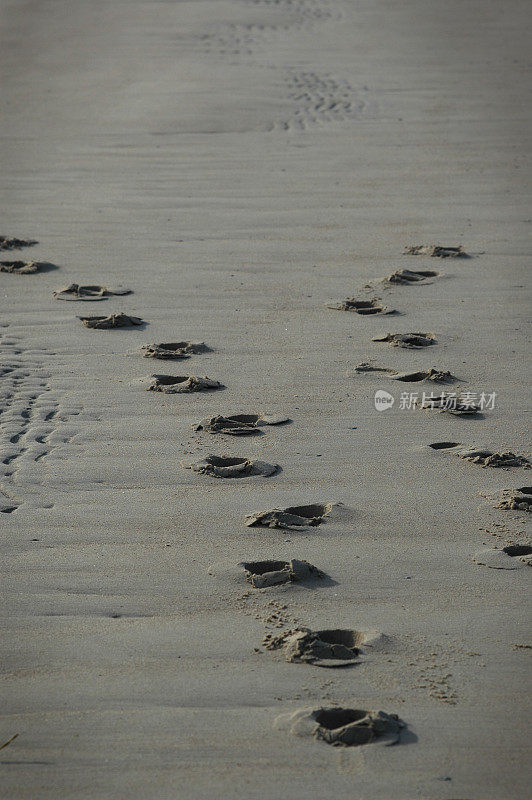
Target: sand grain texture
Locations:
point(239, 163)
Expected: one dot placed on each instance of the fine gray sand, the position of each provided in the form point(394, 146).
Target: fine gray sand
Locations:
point(240, 164)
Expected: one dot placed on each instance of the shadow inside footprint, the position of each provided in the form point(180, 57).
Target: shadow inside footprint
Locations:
point(411, 377)
point(239, 424)
point(435, 251)
point(515, 550)
point(364, 307)
point(409, 340)
point(343, 727)
point(229, 467)
point(261, 574)
point(406, 276)
point(112, 321)
point(444, 445)
point(174, 350)
point(91, 293)
point(293, 516)
point(176, 384)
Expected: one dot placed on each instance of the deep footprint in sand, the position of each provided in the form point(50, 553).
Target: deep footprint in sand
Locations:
point(409, 340)
point(343, 727)
point(177, 384)
point(232, 467)
point(409, 276)
point(10, 243)
point(363, 307)
point(511, 557)
point(435, 251)
point(324, 648)
point(262, 574)
point(516, 499)
point(270, 573)
point(432, 375)
point(486, 458)
point(293, 516)
point(76, 292)
point(174, 350)
point(112, 321)
point(239, 424)
point(20, 267)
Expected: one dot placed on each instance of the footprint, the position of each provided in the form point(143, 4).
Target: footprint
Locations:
point(176, 384)
point(8, 504)
point(406, 276)
point(432, 374)
point(435, 251)
point(511, 557)
point(486, 458)
point(343, 727)
point(410, 340)
point(9, 243)
point(361, 306)
point(229, 467)
point(261, 574)
point(239, 424)
point(174, 350)
point(76, 292)
point(113, 321)
point(516, 499)
point(293, 516)
point(19, 267)
point(327, 648)
point(319, 99)
point(367, 367)
point(271, 573)
point(451, 403)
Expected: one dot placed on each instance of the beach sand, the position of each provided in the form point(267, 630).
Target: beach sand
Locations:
point(239, 164)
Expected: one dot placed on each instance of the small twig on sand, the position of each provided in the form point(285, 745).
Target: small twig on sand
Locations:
point(8, 741)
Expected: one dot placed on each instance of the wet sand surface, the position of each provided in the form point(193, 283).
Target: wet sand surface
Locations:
point(239, 164)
